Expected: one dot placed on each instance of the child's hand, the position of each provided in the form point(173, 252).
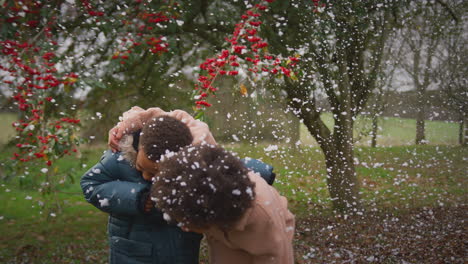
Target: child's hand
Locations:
point(133, 111)
point(193, 229)
point(149, 204)
point(113, 142)
point(132, 120)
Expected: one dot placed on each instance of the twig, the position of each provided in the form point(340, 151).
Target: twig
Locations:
point(454, 16)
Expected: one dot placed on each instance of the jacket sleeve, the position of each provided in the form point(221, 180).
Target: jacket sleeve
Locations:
point(103, 186)
point(265, 170)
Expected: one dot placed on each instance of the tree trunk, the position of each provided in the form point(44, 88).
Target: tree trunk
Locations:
point(427, 73)
point(375, 128)
point(420, 128)
point(295, 133)
point(420, 119)
point(465, 128)
point(337, 147)
point(461, 132)
point(342, 180)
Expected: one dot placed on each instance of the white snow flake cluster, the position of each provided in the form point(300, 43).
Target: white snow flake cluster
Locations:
point(104, 202)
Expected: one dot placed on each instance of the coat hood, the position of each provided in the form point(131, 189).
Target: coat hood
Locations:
point(128, 150)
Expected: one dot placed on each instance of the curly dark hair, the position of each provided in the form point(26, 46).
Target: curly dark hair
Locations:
point(203, 186)
point(163, 134)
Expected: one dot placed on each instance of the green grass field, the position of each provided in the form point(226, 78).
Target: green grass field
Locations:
point(391, 178)
point(37, 229)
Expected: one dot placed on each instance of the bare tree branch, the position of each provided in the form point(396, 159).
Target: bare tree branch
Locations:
point(451, 12)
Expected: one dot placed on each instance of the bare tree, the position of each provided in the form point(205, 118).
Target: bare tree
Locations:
point(422, 35)
point(452, 72)
point(383, 85)
point(343, 47)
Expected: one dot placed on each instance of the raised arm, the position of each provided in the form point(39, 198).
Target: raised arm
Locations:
point(136, 117)
point(131, 121)
point(200, 131)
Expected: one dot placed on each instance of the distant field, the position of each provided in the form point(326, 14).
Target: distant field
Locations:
point(6, 130)
point(393, 131)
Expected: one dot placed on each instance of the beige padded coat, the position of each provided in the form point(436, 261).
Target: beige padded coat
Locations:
point(262, 236)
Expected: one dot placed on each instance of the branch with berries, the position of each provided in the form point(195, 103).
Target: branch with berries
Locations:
point(247, 50)
point(28, 69)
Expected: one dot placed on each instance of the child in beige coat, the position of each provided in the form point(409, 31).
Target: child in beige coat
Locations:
point(208, 190)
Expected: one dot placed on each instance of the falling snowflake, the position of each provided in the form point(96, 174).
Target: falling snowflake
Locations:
point(104, 202)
